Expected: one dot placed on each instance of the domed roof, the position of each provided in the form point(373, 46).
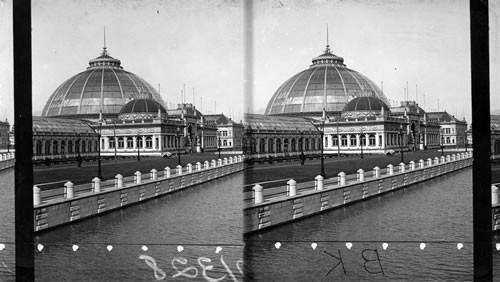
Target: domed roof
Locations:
point(365, 104)
point(365, 107)
point(104, 86)
point(142, 108)
point(327, 84)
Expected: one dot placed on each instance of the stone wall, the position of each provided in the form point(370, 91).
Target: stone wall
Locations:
point(7, 160)
point(320, 197)
point(55, 212)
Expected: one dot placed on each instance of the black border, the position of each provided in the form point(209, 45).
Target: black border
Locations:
point(25, 260)
point(481, 173)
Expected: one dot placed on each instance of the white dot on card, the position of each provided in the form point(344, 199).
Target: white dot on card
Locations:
point(460, 246)
point(2, 246)
point(218, 249)
point(144, 248)
point(385, 246)
point(39, 247)
point(348, 245)
point(277, 245)
point(422, 246)
point(498, 246)
point(314, 245)
point(109, 247)
point(180, 248)
point(75, 248)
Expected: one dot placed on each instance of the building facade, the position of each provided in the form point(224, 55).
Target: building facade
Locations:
point(453, 131)
point(4, 135)
point(230, 133)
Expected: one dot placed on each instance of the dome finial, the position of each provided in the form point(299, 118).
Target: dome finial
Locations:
point(327, 50)
point(104, 51)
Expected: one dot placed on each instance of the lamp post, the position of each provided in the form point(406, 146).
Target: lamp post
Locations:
point(99, 172)
point(322, 158)
point(218, 142)
point(361, 142)
point(466, 143)
point(79, 157)
point(178, 147)
point(138, 144)
point(338, 138)
point(442, 143)
point(302, 157)
point(401, 142)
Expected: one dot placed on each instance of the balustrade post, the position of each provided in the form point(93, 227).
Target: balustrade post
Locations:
point(429, 162)
point(412, 165)
point(137, 177)
point(401, 167)
point(179, 169)
point(462, 156)
point(436, 160)
point(319, 182)
point(376, 172)
point(207, 164)
point(453, 157)
point(167, 172)
point(341, 178)
point(219, 162)
point(154, 174)
point(96, 185)
point(291, 187)
point(198, 166)
point(230, 160)
point(225, 161)
point(447, 158)
point(36, 195)
point(258, 197)
point(390, 169)
point(189, 168)
point(421, 163)
point(68, 190)
point(442, 159)
point(494, 195)
point(119, 181)
point(214, 163)
point(361, 175)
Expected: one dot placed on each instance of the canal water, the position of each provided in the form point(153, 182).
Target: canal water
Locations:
point(7, 227)
point(348, 242)
point(191, 235)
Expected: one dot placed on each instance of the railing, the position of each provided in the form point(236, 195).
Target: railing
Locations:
point(69, 190)
point(342, 179)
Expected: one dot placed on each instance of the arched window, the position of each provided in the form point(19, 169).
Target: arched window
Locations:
point(380, 140)
point(38, 149)
point(313, 144)
point(102, 144)
point(149, 142)
point(353, 140)
point(362, 139)
point(447, 140)
point(285, 145)
point(293, 145)
point(225, 143)
point(139, 142)
point(112, 142)
point(83, 146)
point(63, 147)
point(325, 142)
point(90, 146)
point(54, 147)
point(262, 145)
point(371, 139)
point(278, 145)
point(70, 147)
point(270, 145)
point(335, 140)
point(121, 144)
point(307, 144)
point(343, 140)
point(130, 142)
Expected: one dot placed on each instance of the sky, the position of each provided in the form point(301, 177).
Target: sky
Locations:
point(200, 44)
point(177, 44)
point(424, 43)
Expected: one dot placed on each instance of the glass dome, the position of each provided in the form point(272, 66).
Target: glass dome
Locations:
point(142, 108)
point(327, 84)
point(104, 86)
point(365, 107)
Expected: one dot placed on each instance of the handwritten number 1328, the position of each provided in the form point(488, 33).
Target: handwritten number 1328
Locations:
point(191, 271)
